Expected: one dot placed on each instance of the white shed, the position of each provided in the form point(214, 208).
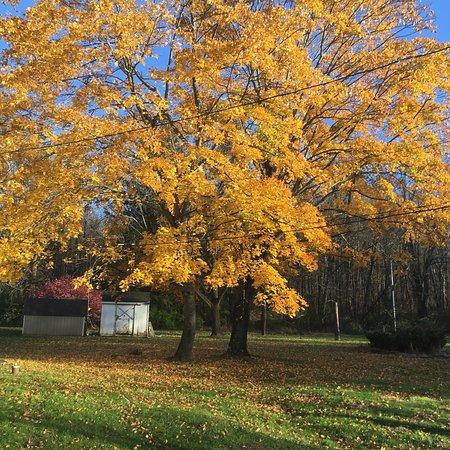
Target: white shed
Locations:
point(124, 318)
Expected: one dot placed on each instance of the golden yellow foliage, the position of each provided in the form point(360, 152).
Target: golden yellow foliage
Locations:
point(247, 126)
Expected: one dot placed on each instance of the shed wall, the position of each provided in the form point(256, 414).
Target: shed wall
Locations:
point(123, 324)
point(141, 321)
point(107, 320)
point(53, 326)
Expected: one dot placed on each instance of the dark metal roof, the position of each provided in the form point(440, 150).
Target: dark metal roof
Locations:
point(55, 307)
point(129, 296)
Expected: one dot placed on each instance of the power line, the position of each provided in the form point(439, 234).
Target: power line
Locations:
point(233, 106)
point(355, 221)
point(315, 227)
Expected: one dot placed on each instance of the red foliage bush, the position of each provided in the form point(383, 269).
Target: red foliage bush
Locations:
point(64, 288)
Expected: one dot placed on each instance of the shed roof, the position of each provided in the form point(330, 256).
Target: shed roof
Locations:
point(129, 296)
point(55, 307)
point(125, 303)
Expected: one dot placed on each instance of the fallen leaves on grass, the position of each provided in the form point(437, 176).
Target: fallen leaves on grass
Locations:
point(72, 392)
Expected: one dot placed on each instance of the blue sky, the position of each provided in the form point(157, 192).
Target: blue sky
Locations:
point(442, 11)
point(440, 7)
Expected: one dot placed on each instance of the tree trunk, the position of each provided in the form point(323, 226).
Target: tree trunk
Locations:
point(421, 282)
point(240, 318)
point(422, 297)
point(368, 285)
point(186, 345)
point(215, 317)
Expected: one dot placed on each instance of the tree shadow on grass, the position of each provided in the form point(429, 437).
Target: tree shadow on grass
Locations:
point(365, 420)
point(10, 331)
point(54, 432)
point(387, 430)
point(162, 427)
point(422, 427)
point(397, 423)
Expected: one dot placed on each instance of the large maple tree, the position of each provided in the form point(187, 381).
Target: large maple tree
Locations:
point(256, 131)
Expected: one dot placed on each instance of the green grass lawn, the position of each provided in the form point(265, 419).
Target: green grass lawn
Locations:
point(297, 392)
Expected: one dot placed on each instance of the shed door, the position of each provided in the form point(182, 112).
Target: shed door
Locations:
point(124, 320)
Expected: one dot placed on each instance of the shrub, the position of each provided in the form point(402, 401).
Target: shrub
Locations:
point(11, 304)
point(383, 340)
point(199, 322)
point(166, 319)
point(419, 337)
point(443, 319)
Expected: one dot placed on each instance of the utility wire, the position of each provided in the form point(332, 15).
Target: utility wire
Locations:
point(354, 221)
point(255, 102)
point(309, 228)
point(233, 106)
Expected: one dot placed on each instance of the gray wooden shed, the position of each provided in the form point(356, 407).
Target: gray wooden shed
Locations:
point(54, 317)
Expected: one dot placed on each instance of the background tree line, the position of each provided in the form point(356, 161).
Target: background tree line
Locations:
point(358, 277)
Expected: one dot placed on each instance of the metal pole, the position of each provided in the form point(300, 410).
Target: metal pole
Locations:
point(264, 319)
point(393, 298)
point(337, 334)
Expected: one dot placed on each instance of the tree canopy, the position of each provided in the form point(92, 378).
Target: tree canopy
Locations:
point(255, 131)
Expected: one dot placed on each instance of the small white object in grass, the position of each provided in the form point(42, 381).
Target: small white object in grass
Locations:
point(15, 369)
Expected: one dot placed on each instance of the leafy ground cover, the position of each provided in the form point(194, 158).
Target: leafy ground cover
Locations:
point(297, 392)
